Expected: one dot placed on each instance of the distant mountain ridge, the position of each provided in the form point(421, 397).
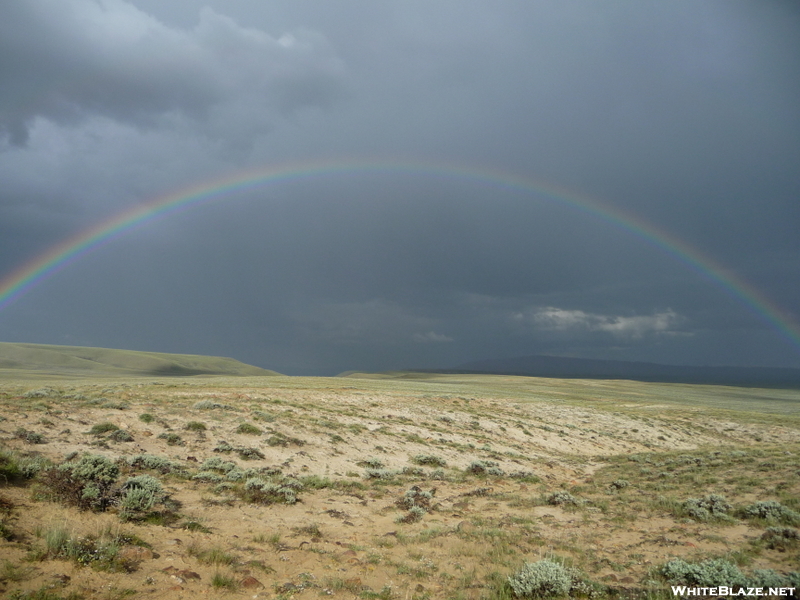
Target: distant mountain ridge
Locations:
point(86, 361)
point(586, 368)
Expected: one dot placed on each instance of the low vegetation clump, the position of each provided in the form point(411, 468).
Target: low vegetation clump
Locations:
point(140, 495)
point(772, 512)
point(264, 491)
point(485, 467)
point(152, 463)
point(718, 571)
point(429, 460)
point(195, 426)
point(279, 439)
point(711, 572)
point(120, 435)
point(87, 483)
point(29, 437)
point(541, 579)
point(211, 405)
point(417, 502)
point(781, 538)
point(562, 498)
point(172, 439)
point(101, 552)
point(101, 428)
point(248, 429)
point(710, 507)
point(146, 418)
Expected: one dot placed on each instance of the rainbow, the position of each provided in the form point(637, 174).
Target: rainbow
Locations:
point(31, 274)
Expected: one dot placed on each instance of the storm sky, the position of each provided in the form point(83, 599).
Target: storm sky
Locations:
point(684, 115)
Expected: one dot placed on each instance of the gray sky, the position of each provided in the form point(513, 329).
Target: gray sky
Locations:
point(682, 114)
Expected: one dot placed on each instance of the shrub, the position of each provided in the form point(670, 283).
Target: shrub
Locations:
point(215, 463)
point(211, 405)
point(485, 467)
point(773, 512)
point(708, 573)
point(248, 429)
point(87, 483)
point(141, 495)
point(262, 491)
point(249, 453)
point(208, 476)
point(429, 459)
point(561, 498)
point(372, 463)
point(195, 426)
point(9, 466)
point(29, 437)
point(379, 474)
point(149, 461)
point(279, 439)
point(101, 428)
point(172, 439)
point(101, 552)
point(712, 506)
point(414, 514)
point(541, 579)
point(120, 435)
point(781, 538)
point(416, 497)
point(146, 418)
point(619, 484)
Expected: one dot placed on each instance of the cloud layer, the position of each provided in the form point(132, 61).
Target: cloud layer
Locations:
point(680, 115)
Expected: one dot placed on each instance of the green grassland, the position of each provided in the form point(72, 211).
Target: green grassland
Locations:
point(40, 360)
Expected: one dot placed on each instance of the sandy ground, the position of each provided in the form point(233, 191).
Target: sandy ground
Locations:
point(346, 540)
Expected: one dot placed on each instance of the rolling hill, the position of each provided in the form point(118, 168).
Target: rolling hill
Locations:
point(41, 359)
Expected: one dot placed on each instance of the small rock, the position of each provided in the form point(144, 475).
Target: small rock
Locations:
point(135, 553)
point(251, 583)
point(187, 574)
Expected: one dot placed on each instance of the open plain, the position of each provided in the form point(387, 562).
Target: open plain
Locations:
point(401, 486)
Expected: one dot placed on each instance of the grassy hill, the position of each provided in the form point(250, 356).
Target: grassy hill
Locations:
point(40, 359)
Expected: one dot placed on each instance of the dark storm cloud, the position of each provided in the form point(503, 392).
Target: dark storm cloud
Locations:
point(66, 60)
point(681, 114)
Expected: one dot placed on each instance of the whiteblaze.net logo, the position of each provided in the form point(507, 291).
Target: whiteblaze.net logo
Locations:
point(686, 591)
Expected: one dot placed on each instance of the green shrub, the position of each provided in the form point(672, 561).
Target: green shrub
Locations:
point(195, 426)
point(248, 429)
point(146, 418)
point(708, 573)
point(561, 498)
point(208, 476)
point(215, 463)
point(712, 506)
point(29, 437)
point(415, 496)
point(540, 580)
point(485, 467)
point(249, 453)
point(221, 581)
point(120, 435)
point(372, 463)
point(9, 466)
point(87, 483)
point(262, 491)
point(140, 495)
point(154, 463)
point(773, 512)
point(101, 428)
point(172, 439)
point(781, 538)
point(429, 460)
